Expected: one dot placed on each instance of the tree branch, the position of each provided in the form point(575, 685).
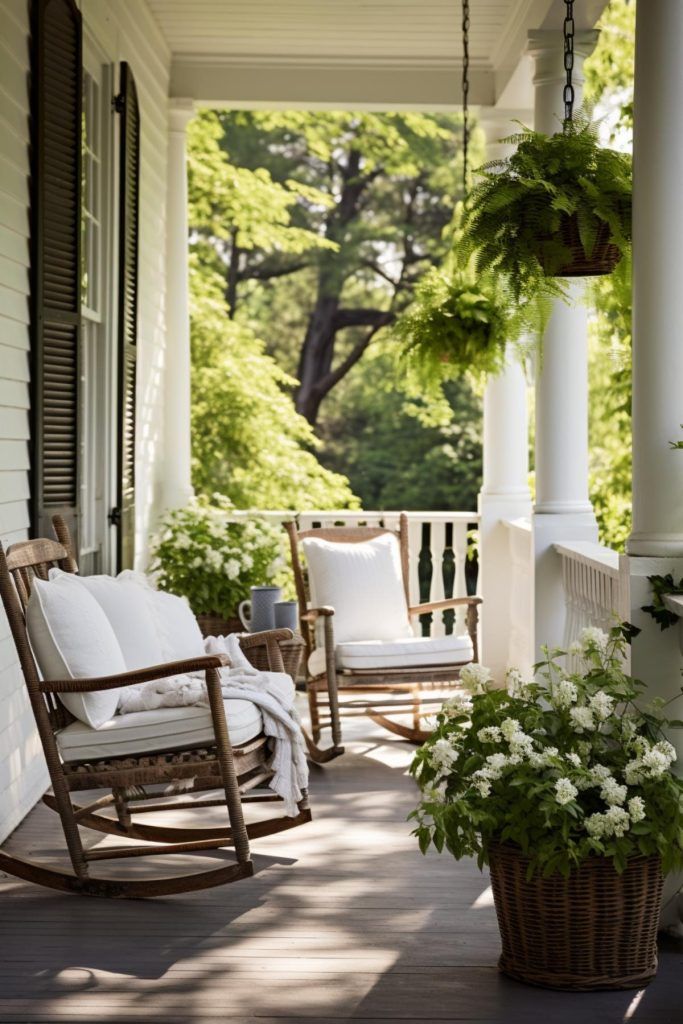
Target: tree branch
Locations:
point(266, 272)
point(326, 383)
point(361, 318)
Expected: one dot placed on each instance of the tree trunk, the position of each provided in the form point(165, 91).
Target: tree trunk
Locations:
point(233, 276)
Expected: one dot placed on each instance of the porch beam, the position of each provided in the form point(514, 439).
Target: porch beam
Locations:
point(177, 472)
point(310, 84)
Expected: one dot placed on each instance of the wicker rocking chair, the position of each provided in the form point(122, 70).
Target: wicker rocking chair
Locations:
point(236, 771)
point(328, 673)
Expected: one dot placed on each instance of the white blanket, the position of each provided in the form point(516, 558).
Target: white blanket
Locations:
point(239, 681)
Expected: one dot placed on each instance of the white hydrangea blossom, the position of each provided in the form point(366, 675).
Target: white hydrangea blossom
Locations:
point(459, 703)
point(475, 677)
point(582, 719)
point(602, 705)
point(565, 791)
point(599, 773)
point(509, 727)
point(516, 686)
point(614, 822)
point(636, 808)
point(564, 694)
point(489, 734)
point(521, 744)
point(612, 793)
point(593, 637)
point(483, 786)
point(574, 759)
point(442, 755)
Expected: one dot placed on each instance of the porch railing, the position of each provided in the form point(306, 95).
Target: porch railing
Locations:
point(596, 590)
point(521, 639)
point(442, 554)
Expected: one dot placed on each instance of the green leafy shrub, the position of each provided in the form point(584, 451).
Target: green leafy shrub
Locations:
point(563, 769)
point(205, 553)
point(514, 216)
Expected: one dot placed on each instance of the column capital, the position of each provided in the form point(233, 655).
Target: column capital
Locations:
point(180, 111)
point(546, 47)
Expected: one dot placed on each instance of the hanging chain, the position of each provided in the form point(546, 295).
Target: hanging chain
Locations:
point(465, 89)
point(568, 31)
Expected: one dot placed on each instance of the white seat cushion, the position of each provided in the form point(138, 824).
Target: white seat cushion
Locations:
point(164, 729)
point(406, 652)
point(363, 583)
point(72, 638)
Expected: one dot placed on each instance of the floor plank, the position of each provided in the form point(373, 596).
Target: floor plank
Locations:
point(343, 921)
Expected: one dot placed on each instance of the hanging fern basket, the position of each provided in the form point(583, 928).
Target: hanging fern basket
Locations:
point(602, 259)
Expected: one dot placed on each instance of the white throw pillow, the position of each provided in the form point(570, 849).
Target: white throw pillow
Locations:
point(178, 634)
point(363, 583)
point(129, 615)
point(72, 639)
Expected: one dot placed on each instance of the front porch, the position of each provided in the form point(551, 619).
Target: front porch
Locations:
point(343, 920)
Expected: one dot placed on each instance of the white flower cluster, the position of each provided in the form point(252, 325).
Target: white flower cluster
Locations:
point(564, 693)
point(613, 822)
point(475, 677)
point(651, 762)
point(515, 684)
point(565, 791)
point(593, 638)
point(602, 705)
point(460, 703)
point(489, 734)
point(582, 719)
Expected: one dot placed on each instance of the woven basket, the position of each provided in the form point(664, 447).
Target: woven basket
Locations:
point(593, 930)
point(602, 260)
point(291, 650)
point(214, 624)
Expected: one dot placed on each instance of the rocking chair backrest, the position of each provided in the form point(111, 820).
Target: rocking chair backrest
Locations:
point(341, 535)
point(19, 566)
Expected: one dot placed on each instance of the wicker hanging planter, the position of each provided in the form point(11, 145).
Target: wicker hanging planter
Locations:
point(594, 930)
point(602, 260)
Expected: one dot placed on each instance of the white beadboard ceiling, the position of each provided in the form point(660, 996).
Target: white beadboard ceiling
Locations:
point(321, 52)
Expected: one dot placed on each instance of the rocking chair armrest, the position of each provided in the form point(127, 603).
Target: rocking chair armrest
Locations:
point(248, 640)
point(138, 675)
point(312, 614)
point(440, 606)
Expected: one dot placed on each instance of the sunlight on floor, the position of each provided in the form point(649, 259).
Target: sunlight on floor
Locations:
point(634, 1004)
point(484, 899)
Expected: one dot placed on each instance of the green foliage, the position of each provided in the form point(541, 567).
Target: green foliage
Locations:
point(564, 769)
point(514, 216)
point(204, 554)
point(400, 446)
point(662, 585)
point(248, 442)
point(457, 324)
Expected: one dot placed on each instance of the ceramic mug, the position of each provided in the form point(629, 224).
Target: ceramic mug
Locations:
point(258, 614)
point(287, 615)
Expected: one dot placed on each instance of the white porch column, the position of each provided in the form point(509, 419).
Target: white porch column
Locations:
point(563, 510)
point(505, 491)
point(177, 481)
point(655, 546)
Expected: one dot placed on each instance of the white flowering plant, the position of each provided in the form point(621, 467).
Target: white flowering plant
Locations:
point(565, 768)
point(206, 554)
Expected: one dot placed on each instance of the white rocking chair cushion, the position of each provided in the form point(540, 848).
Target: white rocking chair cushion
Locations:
point(72, 638)
point(175, 623)
point(404, 653)
point(363, 583)
point(146, 732)
point(129, 615)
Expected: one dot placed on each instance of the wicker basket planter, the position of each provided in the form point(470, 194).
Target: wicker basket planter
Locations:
point(215, 624)
point(593, 930)
point(602, 260)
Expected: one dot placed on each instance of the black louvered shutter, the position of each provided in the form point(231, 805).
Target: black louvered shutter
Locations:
point(56, 108)
point(127, 106)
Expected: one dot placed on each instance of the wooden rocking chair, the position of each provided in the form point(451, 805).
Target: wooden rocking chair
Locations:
point(237, 771)
point(328, 673)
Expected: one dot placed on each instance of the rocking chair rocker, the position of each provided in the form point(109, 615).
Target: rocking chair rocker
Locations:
point(215, 765)
point(357, 658)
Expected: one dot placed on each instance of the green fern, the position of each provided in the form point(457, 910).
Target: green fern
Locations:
point(513, 218)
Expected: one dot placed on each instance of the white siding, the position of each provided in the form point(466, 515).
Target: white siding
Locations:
point(124, 31)
point(22, 770)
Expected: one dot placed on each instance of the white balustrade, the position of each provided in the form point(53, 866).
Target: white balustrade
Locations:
point(439, 544)
point(596, 589)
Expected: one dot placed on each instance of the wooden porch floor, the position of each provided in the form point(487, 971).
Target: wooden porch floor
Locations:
point(344, 920)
